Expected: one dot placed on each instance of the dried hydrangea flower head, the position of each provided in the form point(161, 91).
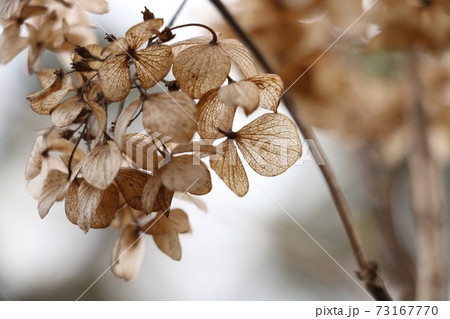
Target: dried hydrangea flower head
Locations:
point(110, 177)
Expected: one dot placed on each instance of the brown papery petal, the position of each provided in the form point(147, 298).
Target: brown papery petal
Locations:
point(107, 208)
point(94, 6)
point(100, 115)
point(187, 174)
point(115, 78)
point(100, 166)
point(271, 88)
point(201, 68)
point(127, 253)
point(117, 47)
point(214, 115)
point(36, 184)
point(139, 34)
point(71, 202)
point(180, 221)
point(32, 11)
point(153, 64)
point(131, 184)
point(163, 199)
point(244, 93)
point(270, 144)
point(34, 164)
point(89, 198)
point(229, 168)
point(240, 56)
point(180, 46)
point(173, 114)
point(65, 147)
point(11, 44)
point(8, 8)
point(165, 236)
point(43, 102)
point(124, 119)
point(150, 193)
point(46, 77)
point(55, 186)
point(67, 112)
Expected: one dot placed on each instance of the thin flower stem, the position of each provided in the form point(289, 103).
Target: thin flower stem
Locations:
point(367, 269)
point(214, 39)
point(69, 165)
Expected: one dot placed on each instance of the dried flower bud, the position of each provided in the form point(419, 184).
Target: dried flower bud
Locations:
point(147, 14)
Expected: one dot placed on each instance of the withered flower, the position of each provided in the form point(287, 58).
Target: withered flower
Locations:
point(152, 63)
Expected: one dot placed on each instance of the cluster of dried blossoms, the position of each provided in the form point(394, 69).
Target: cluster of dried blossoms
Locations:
point(109, 178)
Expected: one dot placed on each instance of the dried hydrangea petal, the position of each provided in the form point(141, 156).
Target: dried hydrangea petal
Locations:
point(201, 68)
point(115, 78)
point(229, 168)
point(173, 114)
point(270, 144)
point(153, 64)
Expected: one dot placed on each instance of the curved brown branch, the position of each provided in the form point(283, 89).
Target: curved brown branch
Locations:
point(367, 269)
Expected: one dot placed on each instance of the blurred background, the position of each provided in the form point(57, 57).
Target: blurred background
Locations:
point(263, 246)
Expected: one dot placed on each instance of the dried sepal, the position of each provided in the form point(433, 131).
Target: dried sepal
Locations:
point(214, 115)
point(201, 68)
point(36, 184)
point(88, 200)
point(96, 6)
point(180, 46)
point(240, 56)
point(244, 93)
point(102, 213)
point(34, 164)
point(153, 64)
point(150, 193)
point(71, 201)
point(100, 115)
point(8, 8)
point(164, 235)
point(139, 34)
point(115, 78)
point(100, 166)
point(228, 166)
point(127, 252)
point(55, 143)
point(67, 112)
point(107, 208)
point(187, 174)
point(131, 184)
point(173, 114)
point(54, 189)
point(38, 39)
point(180, 221)
point(271, 89)
point(11, 44)
point(124, 119)
point(43, 102)
point(46, 77)
point(270, 144)
point(117, 47)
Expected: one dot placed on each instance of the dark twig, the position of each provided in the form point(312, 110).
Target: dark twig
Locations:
point(176, 14)
point(367, 269)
